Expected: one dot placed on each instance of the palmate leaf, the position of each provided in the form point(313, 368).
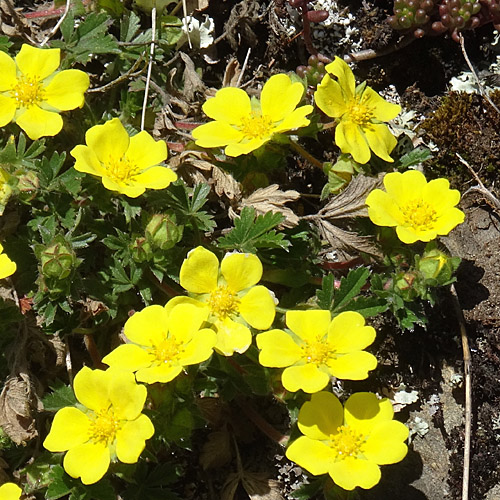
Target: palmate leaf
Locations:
point(252, 232)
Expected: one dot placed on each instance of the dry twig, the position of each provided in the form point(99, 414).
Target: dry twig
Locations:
point(58, 24)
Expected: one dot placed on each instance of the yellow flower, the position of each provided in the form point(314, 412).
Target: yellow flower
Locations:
point(228, 295)
point(10, 491)
point(163, 342)
point(243, 125)
point(108, 424)
point(32, 93)
point(348, 443)
point(360, 112)
point(419, 210)
point(7, 267)
point(126, 164)
point(318, 348)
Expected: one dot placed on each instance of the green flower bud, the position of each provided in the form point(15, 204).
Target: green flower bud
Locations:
point(58, 259)
point(28, 185)
point(162, 231)
point(141, 250)
point(405, 281)
point(431, 263)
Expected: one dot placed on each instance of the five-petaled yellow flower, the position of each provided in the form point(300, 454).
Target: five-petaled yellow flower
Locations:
point(163, 342)
point(229, 296)
point(360, 112)
point(10, 491)
point(107, 424)
point(419, 210)
point(244, 125)
point(348, 443)
point(318, 348)
point(126, 164)
point(7, 267)
point(32, 93)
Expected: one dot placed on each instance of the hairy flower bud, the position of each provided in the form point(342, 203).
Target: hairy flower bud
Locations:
point(58, 259)
point(162, 231)
point(141, 250)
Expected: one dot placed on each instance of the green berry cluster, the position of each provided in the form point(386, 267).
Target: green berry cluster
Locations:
point(313, 72)
point(411, 14)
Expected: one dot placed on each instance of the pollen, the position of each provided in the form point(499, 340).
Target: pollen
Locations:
point(347, 442)
point(120, 170)
point(223, 302)
point(419, 215)
point(28, 92)
point(104, 427)
point(317, 351)
point(167, 351)
point(257, 126)
point(358, 113)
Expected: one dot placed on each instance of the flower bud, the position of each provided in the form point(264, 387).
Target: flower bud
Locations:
point(431, 263)
point(58, 259)
point(141, 250)
point(162, 231)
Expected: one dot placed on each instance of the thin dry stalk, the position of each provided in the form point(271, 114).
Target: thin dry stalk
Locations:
point(150, 64)
point(58, 24)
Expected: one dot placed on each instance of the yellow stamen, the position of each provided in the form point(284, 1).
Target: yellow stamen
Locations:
point(167, 351)
point(223, 302)
point(419, 215)
point(28, 92)
point(358, 113)
point(347, 442)
point(257, 126)
point(121, 170)
point(317, 351)
point(104, 427)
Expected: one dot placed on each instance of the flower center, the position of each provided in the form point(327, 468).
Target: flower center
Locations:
point(317, 351)
point(347, 442)
point(167, 351)
point(223, 302)
point(28, 92)
point(120, 170)
point(104, 427)
point(256, 126)
point(358, 113)
point(419, 215)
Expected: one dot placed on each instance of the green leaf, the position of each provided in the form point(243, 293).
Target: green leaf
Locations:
point(60, 483)
point(129, 26)
point(252, 232)
point(350, 286)
point(368, 306)
point(414, 157)
point(326, 294)
point(5, 43)
point(60, 397)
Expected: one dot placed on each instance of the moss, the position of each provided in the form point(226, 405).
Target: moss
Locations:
point(468, 125)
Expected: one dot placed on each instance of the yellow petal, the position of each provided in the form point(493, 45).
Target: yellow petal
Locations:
point(10, 491)
point(353, 366)
point(8, 72)
point(89, 461)
point(307, 377)
point(91, 388)
point(163, 373)
point(439, 195)
point(320, 417)
point(341, 70)
point(216, 134)
point(385, 443)
point(185, 300)
point(200, 348)
point(312, 455)
point(309, 325)
point(38, 122)
point(37, 63)
point(108, 141)
point(379, 107)
point(243, 148)
point(352, 472)
point(280, 97)
point(241, 270)
point(448, 220)
point(347, 332)
point(294, 120)
point(128, 189)
point(144, 151)
point(7, 267)
point(185, 320)
point(409, 235)
point(70, 428)
point(405, 187)
point(126, 396)
point(148, 327)
point(232, 337)
point(363, 410)
point(329, 98)
point(257, 307)
point(155, 178)
point(382, 209)
point(199, 271)
point(131, 439)
point(86, 160)
point(129, 357)
point(380, 140)
point(65, 91)
point(8, 108)
point(229, 105)
point(277, 349)
point(350, 139)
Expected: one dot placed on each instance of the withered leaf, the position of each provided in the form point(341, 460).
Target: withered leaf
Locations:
point(192, 82)
point(231, 73)
point(216, 451)
point(260, 487)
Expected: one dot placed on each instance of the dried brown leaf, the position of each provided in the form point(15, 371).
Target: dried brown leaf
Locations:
point(260, 487)
point(225, 184)
point(230, 486)
point(216, 451)
point(272, 199)
point(232, 73)
point(192, 82)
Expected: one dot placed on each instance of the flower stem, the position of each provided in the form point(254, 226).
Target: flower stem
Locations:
point(302, 152)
